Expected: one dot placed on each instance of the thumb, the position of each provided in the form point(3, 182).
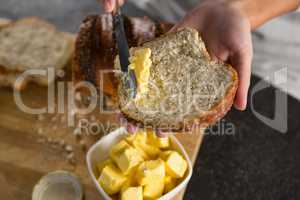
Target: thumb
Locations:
point(110, 5)
point(177, 27)
point(187, 21)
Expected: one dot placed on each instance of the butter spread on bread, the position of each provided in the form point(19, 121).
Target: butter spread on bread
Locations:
point(141, 63)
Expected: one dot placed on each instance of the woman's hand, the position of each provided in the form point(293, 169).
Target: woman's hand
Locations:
point(109, 5)
point(225, 26)
point(226, 32)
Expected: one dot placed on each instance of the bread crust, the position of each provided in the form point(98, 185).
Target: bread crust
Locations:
point(210, 117)
point(218, 111)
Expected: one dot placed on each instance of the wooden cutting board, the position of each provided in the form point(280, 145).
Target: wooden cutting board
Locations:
point(31, 145)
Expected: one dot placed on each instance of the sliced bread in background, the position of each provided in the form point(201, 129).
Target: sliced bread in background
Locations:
point(4, 21)
point(32, 43)
point(185, 87)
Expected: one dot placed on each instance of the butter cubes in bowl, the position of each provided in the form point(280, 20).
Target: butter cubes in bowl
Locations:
point(138, 166)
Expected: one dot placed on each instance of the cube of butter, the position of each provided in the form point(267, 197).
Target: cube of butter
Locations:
point(139, 136)
point(160, 142)
point(132, 193)
point(142, 152)
point(130, 138)
point(150, 150)
point(170, 184)
point(154, 190)
point(111, 179)
point(149, 171)
point(164, 155)
point(130, 181)
point(102, 164)
point(126, 185)
point(163, 142)
point(176, 166)
point(127, 159)
point(119, 147)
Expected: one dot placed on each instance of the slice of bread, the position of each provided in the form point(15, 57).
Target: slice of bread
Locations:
point(95, 59)
point(4, 21)
point(32, 43)
point(186, 87)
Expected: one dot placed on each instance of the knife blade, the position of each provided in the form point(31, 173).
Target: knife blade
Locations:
point(128, 78)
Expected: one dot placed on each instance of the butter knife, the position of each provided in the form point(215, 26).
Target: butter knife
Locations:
point(128, 75)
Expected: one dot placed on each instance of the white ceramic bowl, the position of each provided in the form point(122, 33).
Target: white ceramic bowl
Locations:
point(100, 152)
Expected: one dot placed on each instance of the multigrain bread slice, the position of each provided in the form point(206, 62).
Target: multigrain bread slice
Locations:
point(32, 43)
point(186, 88)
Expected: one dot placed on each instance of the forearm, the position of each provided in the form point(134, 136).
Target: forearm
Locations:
point(260, 11)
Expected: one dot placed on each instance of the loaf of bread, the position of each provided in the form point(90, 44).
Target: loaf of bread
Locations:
point(31, 43)
point(192, 89)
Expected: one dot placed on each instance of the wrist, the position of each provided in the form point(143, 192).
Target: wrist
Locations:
point(260, 11)
point(250, 11)
point(236, 8)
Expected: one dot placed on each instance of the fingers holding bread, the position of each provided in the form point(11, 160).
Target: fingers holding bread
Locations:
point(110, 5)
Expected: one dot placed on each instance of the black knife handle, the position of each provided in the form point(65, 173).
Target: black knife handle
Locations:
point(121, 41)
